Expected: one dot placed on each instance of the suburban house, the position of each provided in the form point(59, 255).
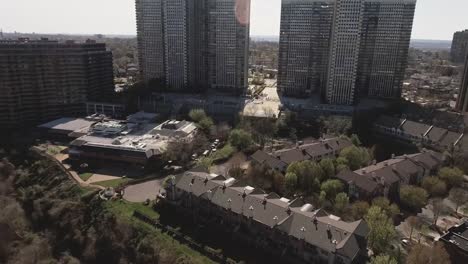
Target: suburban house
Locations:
point(315, 151)
point(386, 178)
point(291, 230)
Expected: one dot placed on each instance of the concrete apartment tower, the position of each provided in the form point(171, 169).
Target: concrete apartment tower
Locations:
point(306, 27)
point(462, 104)
point(385, 40)
point(194, 46)
point(459, 46)
point(344, 50)
point(41, 80)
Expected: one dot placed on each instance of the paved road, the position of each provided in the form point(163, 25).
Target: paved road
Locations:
point(141, 192)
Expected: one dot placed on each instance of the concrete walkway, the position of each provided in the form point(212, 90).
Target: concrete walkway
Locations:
point(59, 161)
point(100, 178)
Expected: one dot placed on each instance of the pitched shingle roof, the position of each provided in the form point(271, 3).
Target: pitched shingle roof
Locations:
point(414, 128)
point(293, 218)
point(398, 169)
point(318, 149)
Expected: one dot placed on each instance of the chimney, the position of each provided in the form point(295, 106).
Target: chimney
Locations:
point(329, 233)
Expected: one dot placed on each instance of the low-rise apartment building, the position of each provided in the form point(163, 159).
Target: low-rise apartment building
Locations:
point(410, 132)
point(289, 229)
point(315, 151)
point(386, 178)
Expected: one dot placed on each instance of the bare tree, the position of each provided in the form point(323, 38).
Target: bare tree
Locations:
point(439, 208)
point(459, 197)
point(413, 222)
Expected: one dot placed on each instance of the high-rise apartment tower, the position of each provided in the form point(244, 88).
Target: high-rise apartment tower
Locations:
point(459, 46)
point(462, 104)
point(41, 79)
point(193, 46)
point(344, 50)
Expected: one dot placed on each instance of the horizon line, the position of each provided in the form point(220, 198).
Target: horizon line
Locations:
point(134, 35)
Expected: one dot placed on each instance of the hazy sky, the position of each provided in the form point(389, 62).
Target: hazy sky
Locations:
point(435, 19)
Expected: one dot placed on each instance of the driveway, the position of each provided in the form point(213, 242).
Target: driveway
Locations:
point(141, 192)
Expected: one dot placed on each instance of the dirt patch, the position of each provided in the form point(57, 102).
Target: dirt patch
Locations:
point(143, 191)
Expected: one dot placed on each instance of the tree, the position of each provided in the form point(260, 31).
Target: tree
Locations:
point(291, 182)
point(341, 202)
point(355, 140)
point(390, 209)
point(359, 209)
point(420, 254)
point(197, 115)
point(206, 125)
point(308, 173)
point(413, 222)
point(342, 164)
point(336, 125)
point(381, 230)
point(356, 157)
point(240, 139)
point(413, 197)
point(383, 259)
point(459, 197)
point(332, 188)
point(328, 168)
point(451, 176)
point(439, 208)
point(434, 186)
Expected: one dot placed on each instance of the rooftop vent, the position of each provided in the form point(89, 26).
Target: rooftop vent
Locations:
point(307, 208)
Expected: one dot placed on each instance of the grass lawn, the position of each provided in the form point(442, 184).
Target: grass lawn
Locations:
point(86, 176)
point(223, 154)
point(113, 183)
point(53, 150)
point(126, 209)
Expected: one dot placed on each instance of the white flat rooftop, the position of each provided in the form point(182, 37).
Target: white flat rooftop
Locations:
point(68, 124)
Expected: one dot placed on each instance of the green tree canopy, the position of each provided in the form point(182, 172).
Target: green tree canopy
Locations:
point(453, 177)
point(197, 115)
point(355, 140)
point(328, 168)
point(359, 209)
point(308, 173)
point(356, 157)
point(291, 182)
point(205, 125)
point(434, 186)
point(413, 197)
point(342, 164)
point(332, 188)
point(390, 209)
point(240, 139)
point(341, 203)
point(381, 230)
point(383, 259)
